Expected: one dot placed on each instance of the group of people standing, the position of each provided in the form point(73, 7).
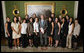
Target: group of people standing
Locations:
point(36, 31)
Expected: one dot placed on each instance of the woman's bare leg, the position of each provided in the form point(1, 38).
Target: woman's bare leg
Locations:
point(18, 41)
point(15, 43)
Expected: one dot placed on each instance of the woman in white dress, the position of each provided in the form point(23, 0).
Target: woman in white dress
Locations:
point(16, 32)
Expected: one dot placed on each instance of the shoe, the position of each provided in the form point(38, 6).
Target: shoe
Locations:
point(18, 47)
point(51, 45)
point(15, 48)
point(10, 47)
point(55, 46)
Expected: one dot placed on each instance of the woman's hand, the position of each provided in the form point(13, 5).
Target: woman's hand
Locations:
point(36, 33)
point(29, 34)
point(51, 33)
point(70, 34)
point(58, 33)
point(8, 34)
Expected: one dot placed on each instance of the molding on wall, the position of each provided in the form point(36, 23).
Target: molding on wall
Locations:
point(76, 9)
point(4, 15)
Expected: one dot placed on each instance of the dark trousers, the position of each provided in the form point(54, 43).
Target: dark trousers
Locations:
point(20, 40)
point(63, 41)
point(10, 41)
point(36, 40)
point(24, 40)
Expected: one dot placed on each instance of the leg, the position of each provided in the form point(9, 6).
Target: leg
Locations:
point(41, 39)
point(9, 42)
point(23, 40)
point(49, 41)
point(45, 37)
point(67, 41)
point(15, 43)
point(18, 42)
point(29, 41)
point(70, 41)
point(57, 43)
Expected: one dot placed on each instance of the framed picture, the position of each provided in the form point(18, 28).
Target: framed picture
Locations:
point(39, 8)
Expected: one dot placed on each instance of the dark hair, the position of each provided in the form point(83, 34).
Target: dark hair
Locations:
point(23, 19)
point(30, 18)
point(16, 18)
point(7, 17)
point(63, 18)
point(72, 20)
point(57, 18)
point(37, 18)
point(76, 19)
point(51, 18)
point(53, 14)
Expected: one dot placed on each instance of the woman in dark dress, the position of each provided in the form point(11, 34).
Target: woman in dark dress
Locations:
point(9, 32)
point(56, 32)
point(50, 30)
point(63, 33)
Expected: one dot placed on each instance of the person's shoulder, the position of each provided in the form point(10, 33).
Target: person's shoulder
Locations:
point(58, 22)
point(12, 22)
point(78, 24)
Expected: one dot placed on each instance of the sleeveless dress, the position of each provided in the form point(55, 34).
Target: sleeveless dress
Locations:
point(49, 29)
point(14, 34)
point(56, 30)
point(9, 28)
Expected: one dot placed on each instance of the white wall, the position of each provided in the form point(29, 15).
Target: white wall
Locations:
point(4, 15)
point(76, 9)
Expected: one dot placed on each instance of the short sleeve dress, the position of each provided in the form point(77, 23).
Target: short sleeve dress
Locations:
point(14, 34)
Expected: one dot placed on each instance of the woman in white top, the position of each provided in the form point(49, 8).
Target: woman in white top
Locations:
point(16, 32)
point(23, 33)
point(36, 32)
point(69, 36)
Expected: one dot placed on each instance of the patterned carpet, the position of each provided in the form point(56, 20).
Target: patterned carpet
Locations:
point(4, 48)
point(33, 49)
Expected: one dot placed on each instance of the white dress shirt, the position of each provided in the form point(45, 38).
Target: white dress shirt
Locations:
point(24, 27)
point(36, 26)
point(76, 30)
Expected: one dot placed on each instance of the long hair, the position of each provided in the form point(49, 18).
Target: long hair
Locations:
point(72, 20)
point(16, 20)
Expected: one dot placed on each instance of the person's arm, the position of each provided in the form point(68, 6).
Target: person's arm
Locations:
point(27, 30)
point(45, 25)
point(19, 28)
point(59, 28)
point(78, 30)
point(6, 26)
point(13, 29)
point(72, 28)
point(52, 28)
